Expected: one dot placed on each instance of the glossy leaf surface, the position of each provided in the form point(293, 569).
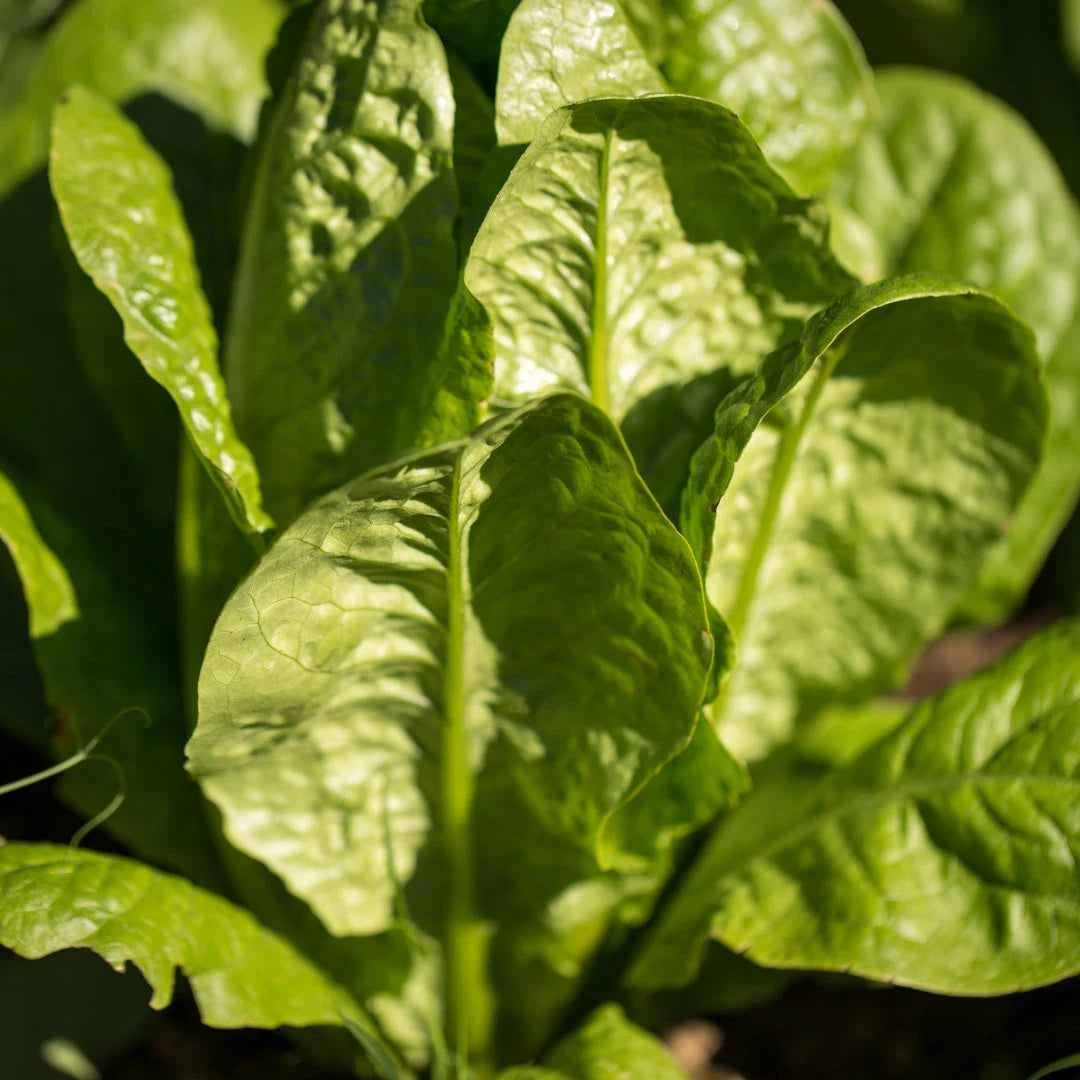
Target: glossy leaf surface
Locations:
point(864, 498)
point(943, 857)
point(242, 975)
point(349, 263)
point(556, 52)
point(638, 247)
point(128, 232)
point(791, 69)
point(953, 181)
point(408, 652)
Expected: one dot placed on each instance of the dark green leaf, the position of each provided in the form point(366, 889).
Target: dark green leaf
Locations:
point(204, 53)
point(348, 264)
point(98, 657)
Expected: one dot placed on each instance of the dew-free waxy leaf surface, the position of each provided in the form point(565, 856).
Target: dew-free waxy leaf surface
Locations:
point(128, 232)
point(242, 975)
point(349, 262)
point(951, 180)
point(645, 254)
point(503, 632)
point(943, 857)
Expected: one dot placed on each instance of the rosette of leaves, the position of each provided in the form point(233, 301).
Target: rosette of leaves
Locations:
point(549, 519)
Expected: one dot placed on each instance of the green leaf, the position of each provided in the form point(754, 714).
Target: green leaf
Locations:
point(791, 69)
point(50, 598)
point(205, 54)
point(602, 260)
point(128, 232)
point(427, 645)
point(85, 636)
point(556, 52)
point(348, 264)
point(944, 857)
point(426, 649)
point(100, 441)
point(242, 975)
point(864, 497)
point(951, 180)
point(609, 1047)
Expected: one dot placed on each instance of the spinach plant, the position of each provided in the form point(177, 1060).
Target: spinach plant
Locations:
point(557, 494)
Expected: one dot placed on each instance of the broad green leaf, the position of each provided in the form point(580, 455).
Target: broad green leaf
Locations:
point(944, 857)
point(86, 636)
point(609, 1047)
point(953, 181)
point(128, 232)
point(791, 69)
point(204, 54)
point(425, 649)
point(643, 252)
point(864, 497)
point(242, 975)
point(349, 263)
point(556, 52)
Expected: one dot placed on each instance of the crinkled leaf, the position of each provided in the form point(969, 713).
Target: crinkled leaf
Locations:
point(128, 232)
point(556, 52)
point(85, 636)
point(206, 54)
point(242, 975)
point(953, 181)
point(860, 508)
point(791, 69)
point(417, 641)
point(944, 857)
point(349, 263)
point(638, 247)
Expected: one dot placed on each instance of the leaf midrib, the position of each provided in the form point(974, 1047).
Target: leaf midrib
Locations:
point(598, 340)
point(457, 786)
